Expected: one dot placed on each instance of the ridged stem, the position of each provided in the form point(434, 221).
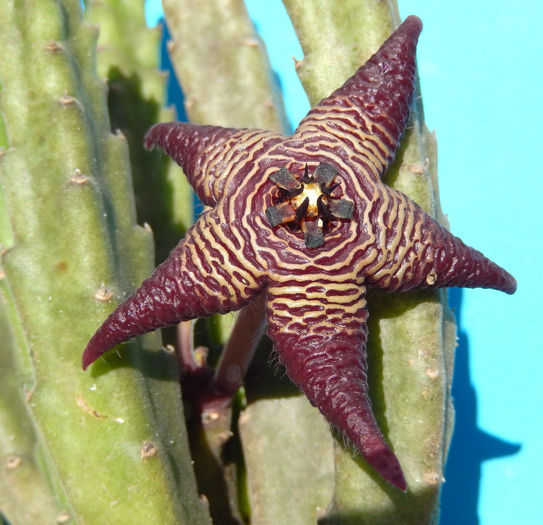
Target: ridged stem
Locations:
point(221, 65)
point(20, 447)
point(72, 224)
point(128, 60)
point(411, 336)
point(225, 77)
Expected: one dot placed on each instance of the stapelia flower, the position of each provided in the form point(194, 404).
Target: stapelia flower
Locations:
point(307, 221)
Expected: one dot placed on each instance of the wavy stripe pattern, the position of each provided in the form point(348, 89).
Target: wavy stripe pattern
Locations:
point(315, 297)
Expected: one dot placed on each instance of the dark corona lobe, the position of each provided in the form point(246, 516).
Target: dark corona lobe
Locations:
point(307, 220)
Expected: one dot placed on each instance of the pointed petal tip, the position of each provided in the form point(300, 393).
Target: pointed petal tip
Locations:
point(92, 352)
point(410, 28)
point(510, 284)
point(398, 482)
point(85, 363)
point(149, 140)
point(385, 462)
point(86, 359)
point(158, 132)
point(414, 22)
point(500, 279)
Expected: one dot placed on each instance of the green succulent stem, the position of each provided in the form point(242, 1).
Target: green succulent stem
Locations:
point(74, 250)
point(412, 336)
point(225, 77)
point(128, 61)
point(222, 65)
point(21, 453)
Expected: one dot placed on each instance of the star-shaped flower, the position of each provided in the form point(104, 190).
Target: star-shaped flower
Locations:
point(307, 220)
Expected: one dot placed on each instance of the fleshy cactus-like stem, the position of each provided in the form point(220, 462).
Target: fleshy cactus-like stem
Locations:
point(128, 60)
point(68, 197)
point(20, 446)
point(225, 77)
point(222, 65)
point(420, 320)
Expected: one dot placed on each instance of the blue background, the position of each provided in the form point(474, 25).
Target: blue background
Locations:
point(481, 76)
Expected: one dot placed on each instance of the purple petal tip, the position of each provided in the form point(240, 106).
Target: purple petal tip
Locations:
point(385, 462)
point(91, 353)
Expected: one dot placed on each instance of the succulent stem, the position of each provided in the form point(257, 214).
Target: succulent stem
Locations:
point(74, 251)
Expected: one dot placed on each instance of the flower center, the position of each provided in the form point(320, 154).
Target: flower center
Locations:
point(312, 193)
point(308, 202)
